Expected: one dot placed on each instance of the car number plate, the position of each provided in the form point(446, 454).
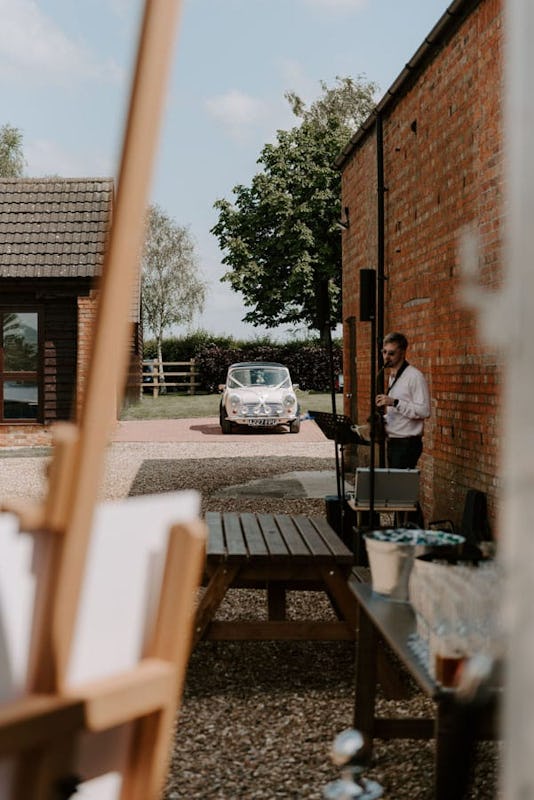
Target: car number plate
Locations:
point(261, 422)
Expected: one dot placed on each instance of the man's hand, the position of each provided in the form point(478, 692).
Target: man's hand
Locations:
point(384, 400)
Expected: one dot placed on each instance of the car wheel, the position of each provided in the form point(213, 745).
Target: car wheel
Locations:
point(226, 425)
point(294, 427)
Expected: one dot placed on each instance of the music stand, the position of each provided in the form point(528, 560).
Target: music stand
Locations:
point(340, 429)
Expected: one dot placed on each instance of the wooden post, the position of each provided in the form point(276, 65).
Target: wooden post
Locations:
point(155, 377)
point(192, 376)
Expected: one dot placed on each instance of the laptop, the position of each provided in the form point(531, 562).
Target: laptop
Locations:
point(396, 488)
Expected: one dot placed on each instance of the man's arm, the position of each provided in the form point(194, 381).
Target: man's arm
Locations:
point(415, 403)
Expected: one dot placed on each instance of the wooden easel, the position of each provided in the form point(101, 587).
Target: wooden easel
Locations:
point(40, 729)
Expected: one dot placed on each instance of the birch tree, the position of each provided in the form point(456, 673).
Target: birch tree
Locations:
point(172, 289)
point(11, 155)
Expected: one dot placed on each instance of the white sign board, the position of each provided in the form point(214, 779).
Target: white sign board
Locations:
point(118, 602)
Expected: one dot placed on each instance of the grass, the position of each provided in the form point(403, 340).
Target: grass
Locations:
point(180, 406)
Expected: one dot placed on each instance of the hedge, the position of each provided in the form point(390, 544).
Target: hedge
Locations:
point(308, 361)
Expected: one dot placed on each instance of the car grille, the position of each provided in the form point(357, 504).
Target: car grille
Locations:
point(255, 409)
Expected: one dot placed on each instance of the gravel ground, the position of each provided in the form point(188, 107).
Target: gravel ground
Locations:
point(258, 718)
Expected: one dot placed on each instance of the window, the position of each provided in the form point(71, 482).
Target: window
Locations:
point(19, 365)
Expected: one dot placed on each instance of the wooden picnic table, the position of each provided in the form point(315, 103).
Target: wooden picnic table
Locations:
point(275, 552)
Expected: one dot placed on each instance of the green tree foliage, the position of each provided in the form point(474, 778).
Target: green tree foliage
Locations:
point(280, 238)
point(172, 288)
point(11, 155)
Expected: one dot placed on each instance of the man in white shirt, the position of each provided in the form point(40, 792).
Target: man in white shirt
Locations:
point(406, 404)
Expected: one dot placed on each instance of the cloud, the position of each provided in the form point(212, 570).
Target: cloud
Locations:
point(45, 157)
point(32, 46)
point(238, 112)
point(296, 79)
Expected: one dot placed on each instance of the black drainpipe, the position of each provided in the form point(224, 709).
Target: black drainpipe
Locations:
point(380, 268)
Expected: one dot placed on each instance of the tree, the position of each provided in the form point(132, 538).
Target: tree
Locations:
point(171, 290)
point(11, 155)
point(280, 236)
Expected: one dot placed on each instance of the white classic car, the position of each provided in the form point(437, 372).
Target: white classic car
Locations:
point(259, 394)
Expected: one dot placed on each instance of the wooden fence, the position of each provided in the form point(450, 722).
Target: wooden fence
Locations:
point(179, 375)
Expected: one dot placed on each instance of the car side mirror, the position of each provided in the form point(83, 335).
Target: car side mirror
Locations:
point(221, 387)
point(295, 386)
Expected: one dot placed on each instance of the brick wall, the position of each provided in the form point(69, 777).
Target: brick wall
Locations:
point(443, 172)
point(26, 435)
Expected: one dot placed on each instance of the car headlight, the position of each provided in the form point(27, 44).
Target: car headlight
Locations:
point(289, 400)
point(235, 400)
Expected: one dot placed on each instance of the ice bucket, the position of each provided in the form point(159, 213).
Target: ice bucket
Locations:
point(391, 554)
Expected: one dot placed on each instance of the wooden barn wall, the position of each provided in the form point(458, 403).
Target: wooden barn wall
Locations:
point(57, 302)
point(60, 343)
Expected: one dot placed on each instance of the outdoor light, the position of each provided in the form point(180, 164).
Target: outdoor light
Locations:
point(344, 221)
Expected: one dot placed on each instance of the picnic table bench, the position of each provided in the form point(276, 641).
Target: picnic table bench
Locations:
point(275, 552)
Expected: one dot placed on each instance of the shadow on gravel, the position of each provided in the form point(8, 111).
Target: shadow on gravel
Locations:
point(210, 475)
point(215, 430)
point(248, 668)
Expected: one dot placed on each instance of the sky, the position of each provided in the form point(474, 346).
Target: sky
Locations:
point(65, 78)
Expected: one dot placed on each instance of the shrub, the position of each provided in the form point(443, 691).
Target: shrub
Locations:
point(308, 361)
point(185, 347)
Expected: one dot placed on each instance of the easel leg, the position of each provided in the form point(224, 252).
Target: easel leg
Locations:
point(149, 754)
point(41, 773)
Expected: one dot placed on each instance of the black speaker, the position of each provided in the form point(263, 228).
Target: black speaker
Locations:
point(367, 294)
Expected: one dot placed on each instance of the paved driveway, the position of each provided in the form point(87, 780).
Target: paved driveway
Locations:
point(207, 429)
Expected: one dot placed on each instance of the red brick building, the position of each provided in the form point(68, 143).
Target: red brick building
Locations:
point(425, 166)
point(53, 235)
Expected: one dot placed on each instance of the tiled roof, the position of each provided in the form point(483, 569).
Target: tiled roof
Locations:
point(53, 227)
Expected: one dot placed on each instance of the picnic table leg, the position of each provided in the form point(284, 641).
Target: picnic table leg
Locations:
point(276, 600)
point(218, 585)
point(340, 596)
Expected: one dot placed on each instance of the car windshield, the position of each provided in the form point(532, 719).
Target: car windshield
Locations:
point(273, 377)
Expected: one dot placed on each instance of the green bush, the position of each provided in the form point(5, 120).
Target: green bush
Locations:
point(185, 347)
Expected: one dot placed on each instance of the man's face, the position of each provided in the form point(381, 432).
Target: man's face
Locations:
point(393, 355)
